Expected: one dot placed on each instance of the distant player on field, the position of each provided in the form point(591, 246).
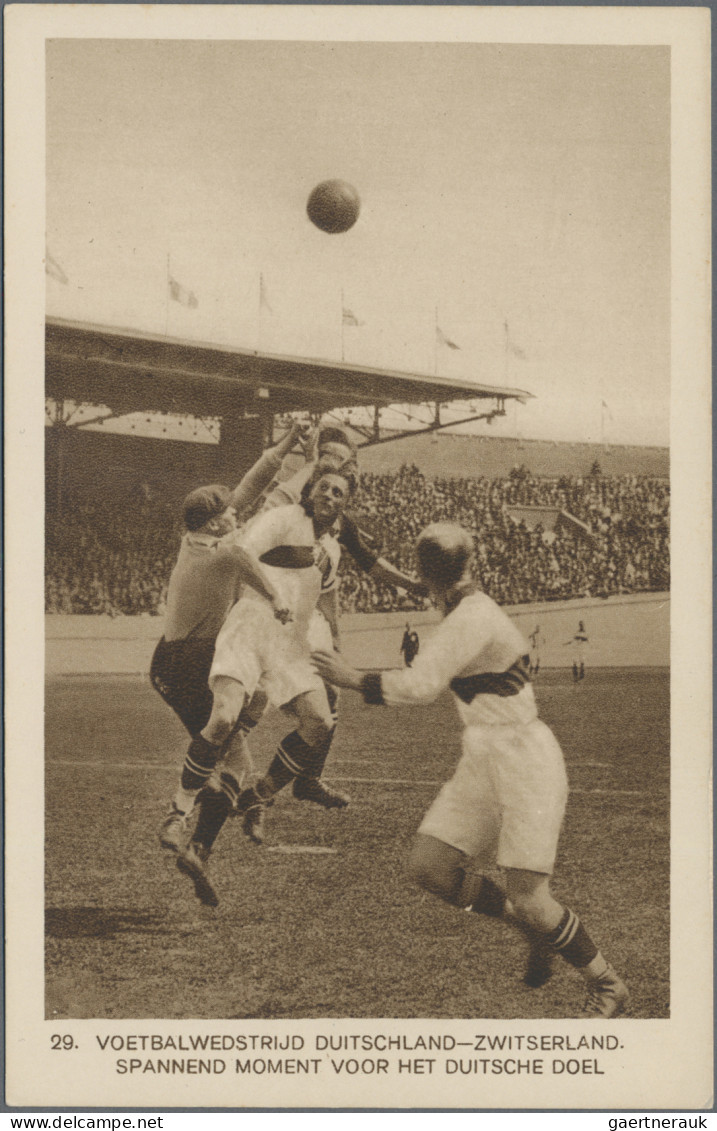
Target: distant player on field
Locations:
point(506, 799)
point(410, 645)
point(536, 641)
point(578, 642)
point(296, 547)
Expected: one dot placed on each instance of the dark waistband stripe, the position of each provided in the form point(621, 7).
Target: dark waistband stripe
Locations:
point(289, 557)
point(503, 684)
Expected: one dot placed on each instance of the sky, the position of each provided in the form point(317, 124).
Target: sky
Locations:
point(518, 184)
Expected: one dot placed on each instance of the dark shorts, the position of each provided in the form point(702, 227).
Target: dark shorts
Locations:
point(179, 672)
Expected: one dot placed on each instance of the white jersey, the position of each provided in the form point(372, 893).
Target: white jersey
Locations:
point(481, 656)
point(300, 565)
point(253, 646)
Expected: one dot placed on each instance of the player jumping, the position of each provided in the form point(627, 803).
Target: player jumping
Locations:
point(296, 547)
point(332, 442)
point(207, 578)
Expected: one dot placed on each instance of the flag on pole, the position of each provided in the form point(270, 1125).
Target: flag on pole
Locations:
point(349, 318)
point(264, 303)
point(181, 294)
point(53, 269)
point(510, 345)
point(606, 407)
point(443, 340)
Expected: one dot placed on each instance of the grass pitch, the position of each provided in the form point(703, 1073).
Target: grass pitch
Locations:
point(340, 933)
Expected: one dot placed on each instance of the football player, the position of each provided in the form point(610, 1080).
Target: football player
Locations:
point(578, 642)
point(504, 804)
point(207, 579)
point(335, 443)
point(295, 546)
point(536, 640)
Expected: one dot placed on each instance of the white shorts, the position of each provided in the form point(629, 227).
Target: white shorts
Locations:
point(253, 646)
point(506, 800)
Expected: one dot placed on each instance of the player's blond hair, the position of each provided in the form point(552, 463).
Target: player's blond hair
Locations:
point(444, 553)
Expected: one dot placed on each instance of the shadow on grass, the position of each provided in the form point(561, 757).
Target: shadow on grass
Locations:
point(100, 922)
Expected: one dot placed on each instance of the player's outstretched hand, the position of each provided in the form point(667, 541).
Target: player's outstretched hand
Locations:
point(307, 440)
point(300, 431)
point(334, 669)
point(283, 614)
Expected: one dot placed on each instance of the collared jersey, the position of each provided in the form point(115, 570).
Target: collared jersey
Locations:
point(301, 566)
point(479, 654)
point(204, 583)
point(347, 533)
point(203, 586)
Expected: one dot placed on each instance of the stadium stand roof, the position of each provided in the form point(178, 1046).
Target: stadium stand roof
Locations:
point(130, 371)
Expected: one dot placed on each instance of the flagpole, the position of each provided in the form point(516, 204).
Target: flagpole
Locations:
point(258, 312)
point(506, 368)
point(435, 343)
point(166, 299)
point(342, 324)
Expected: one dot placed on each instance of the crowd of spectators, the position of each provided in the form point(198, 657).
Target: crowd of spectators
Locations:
point(116, 558)
point(112, 558)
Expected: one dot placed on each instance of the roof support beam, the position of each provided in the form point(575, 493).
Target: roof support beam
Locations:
point(436, 426)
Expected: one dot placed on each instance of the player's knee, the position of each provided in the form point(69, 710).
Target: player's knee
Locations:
point(532, 908)
point(436, 867)
point(219, 728)
point(229, 697)
point(253, 711)
point(315, 730)
point(223, 719)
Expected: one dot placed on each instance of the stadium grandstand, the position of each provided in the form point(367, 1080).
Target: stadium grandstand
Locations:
point(552, 521)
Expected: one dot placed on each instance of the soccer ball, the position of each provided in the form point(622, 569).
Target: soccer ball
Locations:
point(333, 206)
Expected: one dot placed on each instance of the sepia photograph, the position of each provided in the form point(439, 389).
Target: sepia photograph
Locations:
point(360, 628)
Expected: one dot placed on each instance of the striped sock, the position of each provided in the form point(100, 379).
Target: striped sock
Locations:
point(571, 940)
point(295, 755)
point(313, 759)
point(230, 787)
point(199, 763)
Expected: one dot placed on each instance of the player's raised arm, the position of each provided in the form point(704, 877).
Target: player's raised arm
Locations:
point(383, 570)
point(265, 470)
point(358, 545)
point(328, 441)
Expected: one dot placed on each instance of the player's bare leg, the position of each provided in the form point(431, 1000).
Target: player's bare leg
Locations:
point(308, 786)
point(528, 903)
point(307, 783)
point(300, 756)
point(442, 869)
point(560, 929)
